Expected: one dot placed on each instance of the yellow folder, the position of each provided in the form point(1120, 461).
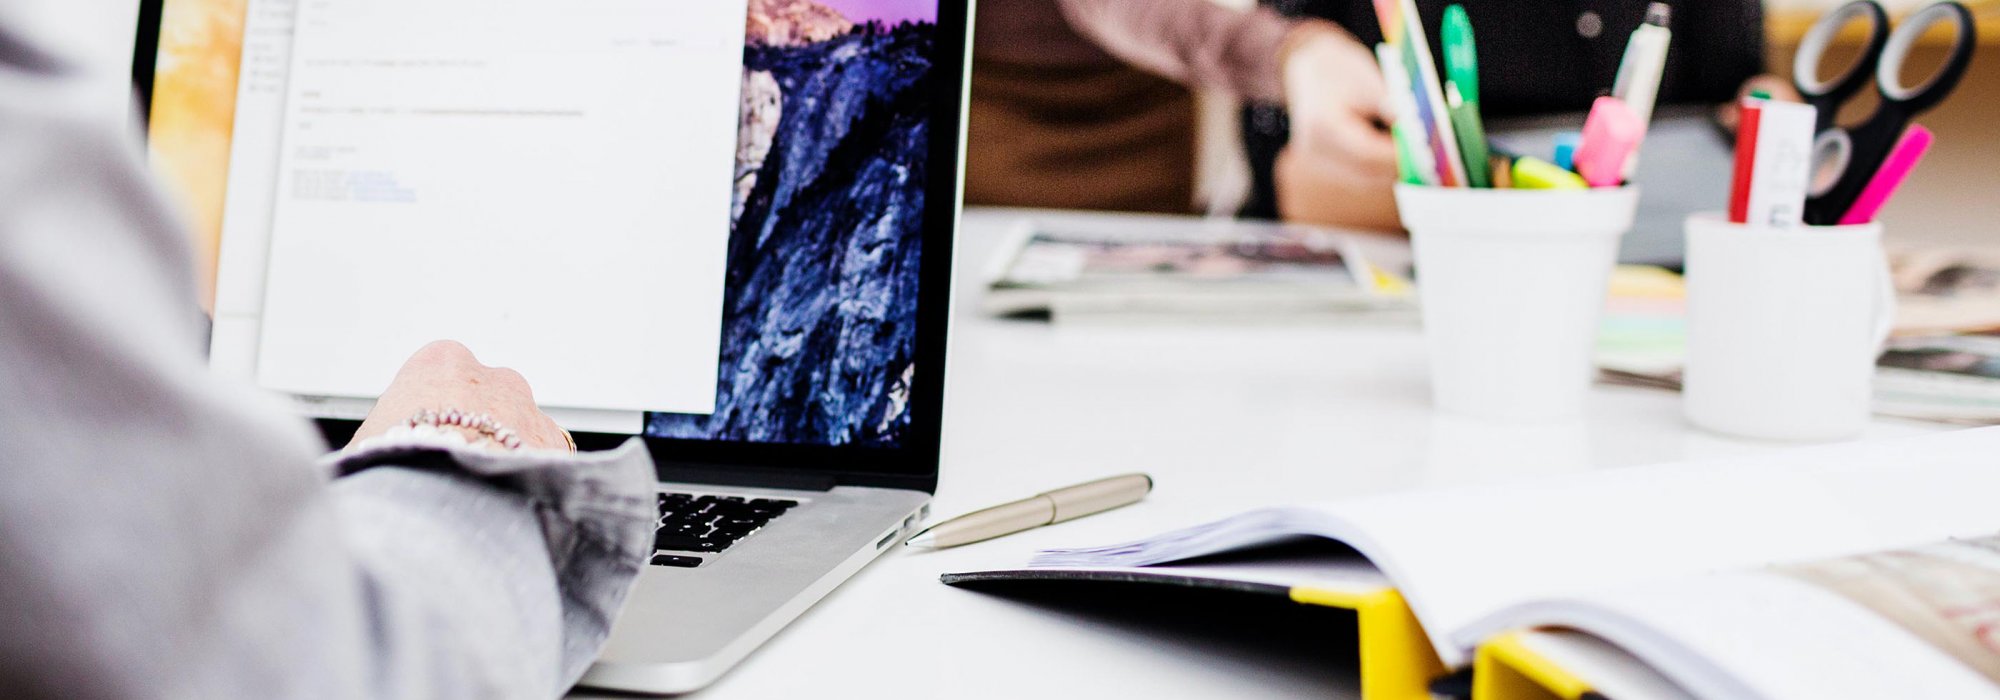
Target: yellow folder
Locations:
point(1397, 661)
point(1506, 668)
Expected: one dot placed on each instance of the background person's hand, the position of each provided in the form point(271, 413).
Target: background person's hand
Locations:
point(1339, 168)
point(444, 376)
point(1730, 113)
point(1335, 97)
point(1317, 191)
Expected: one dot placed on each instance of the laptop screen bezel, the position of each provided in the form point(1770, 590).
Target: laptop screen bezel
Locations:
point(911, 465)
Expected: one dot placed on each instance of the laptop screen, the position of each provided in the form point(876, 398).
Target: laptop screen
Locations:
point(693, 220)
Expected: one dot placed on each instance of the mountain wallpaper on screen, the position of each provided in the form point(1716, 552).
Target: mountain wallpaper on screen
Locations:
point(819, 324)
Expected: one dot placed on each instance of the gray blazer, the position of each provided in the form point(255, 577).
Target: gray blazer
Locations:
point(165, 534)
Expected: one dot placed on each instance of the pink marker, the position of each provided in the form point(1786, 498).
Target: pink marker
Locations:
point(1902, 159)
point(1610, 135)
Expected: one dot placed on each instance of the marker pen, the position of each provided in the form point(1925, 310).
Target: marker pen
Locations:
point(1909, 150)
point(1610, 139)
point(1781, 168)
point(1413, 155)
point(1638, 82)
point(1751, 110)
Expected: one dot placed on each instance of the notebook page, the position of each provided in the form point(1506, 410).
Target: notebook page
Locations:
point(1462, 554)
point(1609, 670)
point(1759, 635)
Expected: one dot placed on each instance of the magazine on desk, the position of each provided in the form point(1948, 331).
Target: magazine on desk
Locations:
point(1135, 267)
point(1941, 378)
point(1858, 570)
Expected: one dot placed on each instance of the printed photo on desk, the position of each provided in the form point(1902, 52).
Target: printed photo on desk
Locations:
point(1166, 268)
point(829, 179)
point(1942, 363)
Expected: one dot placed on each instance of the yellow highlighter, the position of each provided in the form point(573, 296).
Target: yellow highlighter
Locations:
point(1538, 174)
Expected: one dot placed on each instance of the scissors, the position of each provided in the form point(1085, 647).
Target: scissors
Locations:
point(1845, 158)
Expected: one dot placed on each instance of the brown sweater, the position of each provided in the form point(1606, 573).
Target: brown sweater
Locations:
point(1082, 104)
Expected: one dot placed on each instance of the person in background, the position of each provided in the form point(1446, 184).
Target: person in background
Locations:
point(1084, 103)
point(169, 534)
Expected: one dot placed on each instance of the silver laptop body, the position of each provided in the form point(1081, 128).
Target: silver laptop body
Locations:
point(683, 627)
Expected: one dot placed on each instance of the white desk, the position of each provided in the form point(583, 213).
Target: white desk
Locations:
point(1225, 419)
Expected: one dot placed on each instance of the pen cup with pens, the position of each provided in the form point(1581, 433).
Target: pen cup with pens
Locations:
point(1784, 325)
point(1512, 283)
point(1513, 253)
point(1789, 296)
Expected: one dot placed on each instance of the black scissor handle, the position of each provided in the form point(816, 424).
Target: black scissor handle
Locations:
point(1829, 93)
point(1913, 99)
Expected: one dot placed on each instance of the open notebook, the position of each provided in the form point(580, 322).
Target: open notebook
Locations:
point(1726, 577)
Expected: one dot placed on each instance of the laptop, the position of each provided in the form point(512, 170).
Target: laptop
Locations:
point(724, 227)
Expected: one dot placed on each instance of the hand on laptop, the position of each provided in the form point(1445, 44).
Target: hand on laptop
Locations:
point(445, 376)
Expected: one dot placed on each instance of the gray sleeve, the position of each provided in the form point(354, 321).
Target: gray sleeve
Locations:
point(164, 534)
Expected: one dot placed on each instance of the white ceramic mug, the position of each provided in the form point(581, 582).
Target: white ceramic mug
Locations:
point(1512, 283)
point(1784, 326)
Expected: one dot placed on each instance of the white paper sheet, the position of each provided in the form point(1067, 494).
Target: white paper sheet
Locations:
point(1607, 669)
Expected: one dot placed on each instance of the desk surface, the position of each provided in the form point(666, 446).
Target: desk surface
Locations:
point(1225, 419)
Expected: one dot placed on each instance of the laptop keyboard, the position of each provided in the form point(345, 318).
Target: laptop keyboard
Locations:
point(699, 524)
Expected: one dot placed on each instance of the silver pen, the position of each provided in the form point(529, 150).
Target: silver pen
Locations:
point(1067, 503)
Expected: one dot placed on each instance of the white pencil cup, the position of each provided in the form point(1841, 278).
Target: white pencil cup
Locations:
point(1512, 283)
point(1784, 326)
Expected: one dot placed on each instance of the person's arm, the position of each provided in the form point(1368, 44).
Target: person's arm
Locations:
point(1194, 42)
point(169, 535)
point(1340, 163)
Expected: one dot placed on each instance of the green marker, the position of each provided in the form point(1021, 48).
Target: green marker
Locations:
point(1461, 94)
point(1461, 59)
point(1471, 134)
